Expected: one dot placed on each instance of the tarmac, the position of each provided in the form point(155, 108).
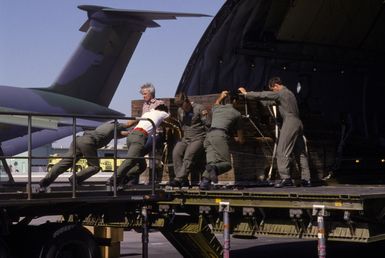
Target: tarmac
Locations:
point(259, 247)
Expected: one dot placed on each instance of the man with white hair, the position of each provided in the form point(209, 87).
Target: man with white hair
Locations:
point(150, 102)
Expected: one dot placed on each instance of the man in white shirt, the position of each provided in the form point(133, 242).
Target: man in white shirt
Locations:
point(136, 141)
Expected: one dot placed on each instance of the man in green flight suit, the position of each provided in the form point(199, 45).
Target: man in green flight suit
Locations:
point(225, 119)
point(194, 120)
point(87, 146)
point(291, 138)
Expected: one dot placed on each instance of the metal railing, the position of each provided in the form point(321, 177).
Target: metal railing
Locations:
point(75, 129)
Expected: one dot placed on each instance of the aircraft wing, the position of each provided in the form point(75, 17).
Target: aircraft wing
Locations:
point(13, 146)
point(36, 121)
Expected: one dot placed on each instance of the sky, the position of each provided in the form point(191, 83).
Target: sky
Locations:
point(39, 36)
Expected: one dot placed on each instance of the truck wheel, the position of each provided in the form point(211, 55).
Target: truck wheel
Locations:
point(70, 241)
point(51, 240)
point(4, 250)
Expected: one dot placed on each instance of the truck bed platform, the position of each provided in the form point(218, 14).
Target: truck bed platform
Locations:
point(353, 213)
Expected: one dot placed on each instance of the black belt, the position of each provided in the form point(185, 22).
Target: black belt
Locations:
point(217, 129)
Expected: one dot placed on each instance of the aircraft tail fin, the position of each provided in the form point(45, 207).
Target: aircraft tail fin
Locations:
point(94, 71)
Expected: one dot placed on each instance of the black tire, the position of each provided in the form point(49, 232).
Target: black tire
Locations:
point(53, 240)
point(70, 241)
point(4, 250)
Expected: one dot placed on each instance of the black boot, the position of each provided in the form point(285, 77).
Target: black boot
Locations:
point(131, 181)
point(119, 181)
point(311, 183)
point(179, 183)
point(284, 183)
point(77, 183)
point(205, 184)
point(213, 173)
